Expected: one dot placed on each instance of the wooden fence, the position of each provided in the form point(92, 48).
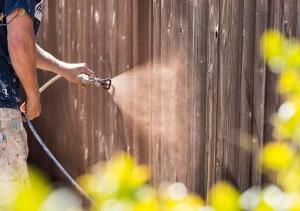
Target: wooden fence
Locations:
point(231, 92)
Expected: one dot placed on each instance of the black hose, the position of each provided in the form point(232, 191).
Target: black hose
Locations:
point(106, 84)
point(55, 161)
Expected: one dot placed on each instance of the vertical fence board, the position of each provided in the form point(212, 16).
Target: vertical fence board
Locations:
point(194, 41)
point(212, 164)
point(229, 88)
point(259, 91)
point(246, 115)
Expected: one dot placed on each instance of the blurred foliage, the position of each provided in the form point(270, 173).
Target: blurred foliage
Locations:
point(122, 185)
point(283, 157)
point(33, 195)
point(224, 197)
point(277, 162)
point(28, 195)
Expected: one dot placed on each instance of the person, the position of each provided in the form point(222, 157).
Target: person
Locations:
point(20, 57)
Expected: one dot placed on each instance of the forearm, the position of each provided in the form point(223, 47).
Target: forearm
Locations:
point(46, 61)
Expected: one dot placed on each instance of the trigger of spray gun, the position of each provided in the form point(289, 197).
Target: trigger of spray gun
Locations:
point(92, 80)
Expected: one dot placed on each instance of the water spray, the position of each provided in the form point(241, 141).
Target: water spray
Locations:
point(87, 80)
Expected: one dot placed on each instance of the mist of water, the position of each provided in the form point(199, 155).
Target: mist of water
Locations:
point(153, 97)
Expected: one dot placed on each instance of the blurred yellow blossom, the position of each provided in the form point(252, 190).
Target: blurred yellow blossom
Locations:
point(224, 197)
point(276, 156)
point(30, 197)
point(175, 198)
point(289, 82)
point(121, 184)
point(117, 182)
point(272, 44)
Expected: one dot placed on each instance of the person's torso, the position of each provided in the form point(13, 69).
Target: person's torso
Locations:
point(9, 84)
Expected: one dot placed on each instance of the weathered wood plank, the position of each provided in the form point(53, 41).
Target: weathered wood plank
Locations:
point(212, 164)
point(157, 52)
point(246, 116)
point(259, 83)
point(229, 89)
point(194, 43)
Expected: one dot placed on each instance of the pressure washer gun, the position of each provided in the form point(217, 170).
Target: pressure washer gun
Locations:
point(92, 80)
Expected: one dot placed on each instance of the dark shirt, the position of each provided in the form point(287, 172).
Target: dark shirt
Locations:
point(9, 83)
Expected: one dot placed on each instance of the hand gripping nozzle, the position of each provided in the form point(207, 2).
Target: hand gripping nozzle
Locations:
point(92, 80)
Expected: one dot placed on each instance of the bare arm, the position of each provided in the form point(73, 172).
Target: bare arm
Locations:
point(22, 51)
point(48, 62)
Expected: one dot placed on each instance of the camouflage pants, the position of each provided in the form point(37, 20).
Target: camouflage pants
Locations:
point(13, 152)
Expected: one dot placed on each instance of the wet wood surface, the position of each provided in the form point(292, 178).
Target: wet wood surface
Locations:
point(230, 96)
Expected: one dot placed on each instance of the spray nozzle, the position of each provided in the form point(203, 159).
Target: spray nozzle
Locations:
point(92, 80)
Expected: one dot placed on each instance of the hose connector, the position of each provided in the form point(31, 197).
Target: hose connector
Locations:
point(92, 80)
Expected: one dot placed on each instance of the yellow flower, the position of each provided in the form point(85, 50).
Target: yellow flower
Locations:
point(224, 197)
point(31, 197)
point(272, 47)
point(277, 156)
point(289, 82)
point(263, 206)
point(120, 181)
point(272, 44)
